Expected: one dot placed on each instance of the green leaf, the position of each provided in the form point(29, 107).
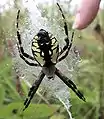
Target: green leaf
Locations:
point(2, 94)
point(24, 87)
point(58, 116)
point(34, 111)
point(9, 110)
point(40, 111)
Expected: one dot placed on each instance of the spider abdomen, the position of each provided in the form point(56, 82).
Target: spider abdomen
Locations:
point(45, 48)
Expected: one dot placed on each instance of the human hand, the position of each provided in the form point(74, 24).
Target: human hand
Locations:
point(86, 13)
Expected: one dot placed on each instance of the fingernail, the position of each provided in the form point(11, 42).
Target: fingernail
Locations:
point(76, 22)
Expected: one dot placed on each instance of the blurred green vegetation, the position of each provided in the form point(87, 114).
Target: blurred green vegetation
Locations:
point(89, 78)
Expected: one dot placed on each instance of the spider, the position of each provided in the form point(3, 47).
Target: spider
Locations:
point(45, 50)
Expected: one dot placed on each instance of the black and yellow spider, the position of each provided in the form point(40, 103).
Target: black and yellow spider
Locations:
point(45, 50)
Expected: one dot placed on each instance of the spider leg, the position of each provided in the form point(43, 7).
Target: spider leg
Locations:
point(66, 31)
point(19, 39)
point(33, 90)
point(20, 48)
point(27, 62)
point(67, 50)
point(70, 84)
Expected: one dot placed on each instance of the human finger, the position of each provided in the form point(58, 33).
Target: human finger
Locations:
point(86, 13)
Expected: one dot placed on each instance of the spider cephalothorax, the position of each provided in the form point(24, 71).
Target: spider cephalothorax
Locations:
point(45, 50)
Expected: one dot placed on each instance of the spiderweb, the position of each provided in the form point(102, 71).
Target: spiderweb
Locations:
point(56, 87)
